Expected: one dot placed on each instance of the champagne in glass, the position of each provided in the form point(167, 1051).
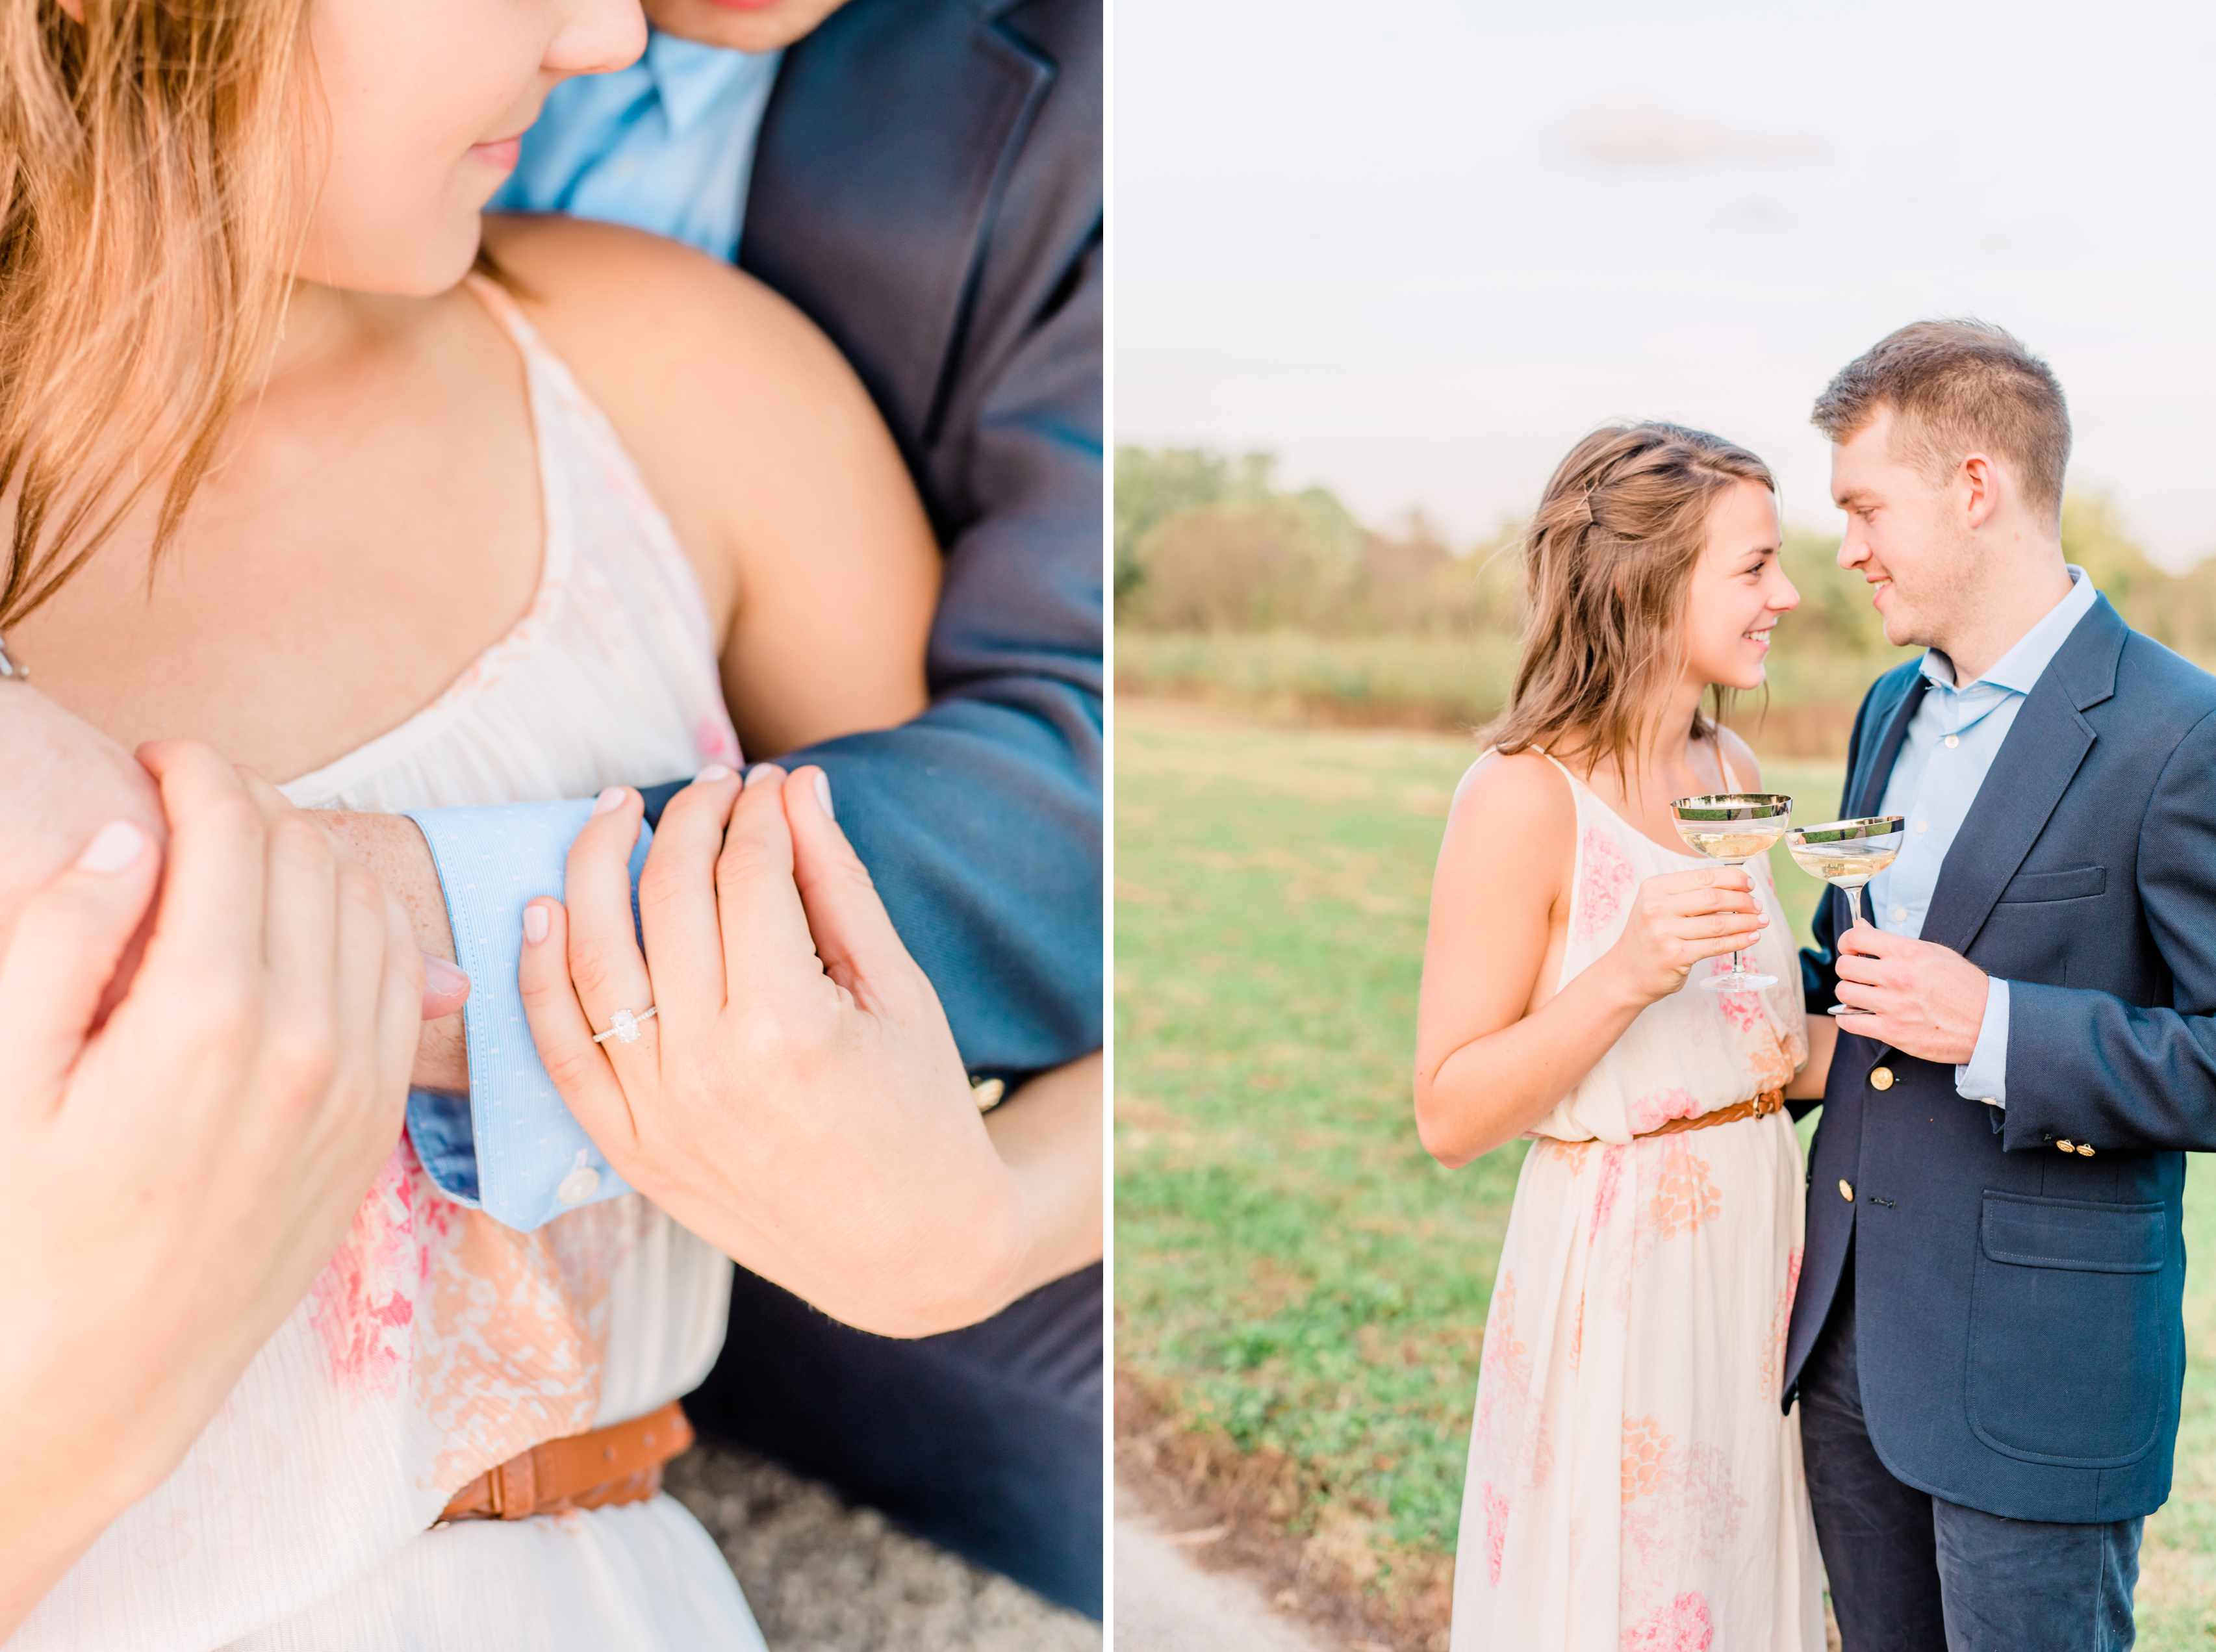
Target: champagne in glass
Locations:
point(1734, 827)
point(1847, 855)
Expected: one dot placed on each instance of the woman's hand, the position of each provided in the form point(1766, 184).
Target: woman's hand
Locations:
point(178, 1177)
point(797, 1099)
point(1680, 918)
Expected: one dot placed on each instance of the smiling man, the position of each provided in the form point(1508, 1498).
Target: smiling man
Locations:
point(1987, 1341)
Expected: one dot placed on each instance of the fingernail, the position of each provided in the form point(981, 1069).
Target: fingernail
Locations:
point(114, 847)
point(607, 800)
point(713, 773)
point(759, 773)
point(534, 923)
point(442, 978)
point(824, 793)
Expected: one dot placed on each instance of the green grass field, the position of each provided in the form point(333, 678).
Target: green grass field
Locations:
point(1295, 1279)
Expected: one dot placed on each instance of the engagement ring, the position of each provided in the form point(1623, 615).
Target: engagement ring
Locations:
point(625, 1031)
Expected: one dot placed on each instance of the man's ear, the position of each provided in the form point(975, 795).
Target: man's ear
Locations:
point(1984, 479)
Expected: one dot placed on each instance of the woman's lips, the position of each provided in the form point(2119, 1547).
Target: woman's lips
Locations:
point(503, 154)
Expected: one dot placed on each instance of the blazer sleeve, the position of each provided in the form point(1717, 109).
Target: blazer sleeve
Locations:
point(2113, 1075)
point(980, 821)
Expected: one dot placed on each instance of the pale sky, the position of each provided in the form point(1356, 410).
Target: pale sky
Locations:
point(1417, 247)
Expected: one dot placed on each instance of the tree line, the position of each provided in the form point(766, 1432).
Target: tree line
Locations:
point(1215, 542)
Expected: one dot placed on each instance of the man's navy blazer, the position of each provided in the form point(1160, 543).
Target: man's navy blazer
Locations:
point(927, 188)
point(2019, 1272)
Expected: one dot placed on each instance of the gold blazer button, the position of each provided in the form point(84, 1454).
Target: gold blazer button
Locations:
point(1846, 1190)
point(1880, 1078)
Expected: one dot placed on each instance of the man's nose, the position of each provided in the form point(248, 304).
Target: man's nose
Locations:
point(1851, 549)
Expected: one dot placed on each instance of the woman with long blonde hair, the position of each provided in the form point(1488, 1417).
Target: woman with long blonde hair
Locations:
point(1632, 1483)
point(304, 460)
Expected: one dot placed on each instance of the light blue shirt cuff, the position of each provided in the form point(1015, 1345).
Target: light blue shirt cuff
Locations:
point(511, 1147)
point(1985, 1079)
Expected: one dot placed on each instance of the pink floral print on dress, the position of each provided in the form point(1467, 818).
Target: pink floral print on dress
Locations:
point(363, 1303)
point(1496, 1531)
point(1682, 1626)
point(1685, 1195)
point(1603, 885)
point(1657, 1107)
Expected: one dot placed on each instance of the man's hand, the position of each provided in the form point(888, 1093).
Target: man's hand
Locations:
point(391, 848)
point(797, 1099)
point(1919, 997)
point(64, 780)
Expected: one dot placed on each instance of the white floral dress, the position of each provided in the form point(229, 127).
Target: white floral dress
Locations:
point(438, 1343)
point(1632, 1484)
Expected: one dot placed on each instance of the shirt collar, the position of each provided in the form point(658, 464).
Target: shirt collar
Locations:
point(2019, 668)
point(689, 76)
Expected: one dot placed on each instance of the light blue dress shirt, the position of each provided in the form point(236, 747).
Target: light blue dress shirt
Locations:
point(667, 145)
point(1950, 743)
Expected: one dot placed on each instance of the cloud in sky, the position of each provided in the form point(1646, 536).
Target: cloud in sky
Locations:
point(1417, 251)
point(1637, 136)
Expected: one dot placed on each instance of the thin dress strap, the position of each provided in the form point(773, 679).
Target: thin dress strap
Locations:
point(1723, 763)
point(1551, 758)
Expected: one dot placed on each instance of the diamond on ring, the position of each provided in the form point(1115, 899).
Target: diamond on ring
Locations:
point(626, 1030)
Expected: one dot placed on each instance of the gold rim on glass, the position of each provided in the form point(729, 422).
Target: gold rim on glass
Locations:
point(1762, 812)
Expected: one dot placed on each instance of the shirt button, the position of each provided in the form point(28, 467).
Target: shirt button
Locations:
point(1880, 1078)
point(1846, 1190)
point(1953, 740)
point(1922, 826)
point(578, 1185)
point(1900, 915)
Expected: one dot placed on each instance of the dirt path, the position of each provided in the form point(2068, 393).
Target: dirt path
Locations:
point(1166, 1603)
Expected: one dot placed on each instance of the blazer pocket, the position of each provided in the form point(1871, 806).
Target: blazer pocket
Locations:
point(2068, 1344)
point(2072, 883)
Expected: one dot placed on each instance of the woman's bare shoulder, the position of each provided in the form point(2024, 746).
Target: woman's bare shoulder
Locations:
point(615, 297)
point(703, 371)
point(1512, 804)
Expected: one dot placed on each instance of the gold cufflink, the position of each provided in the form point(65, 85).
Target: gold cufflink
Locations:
point(987, 1093)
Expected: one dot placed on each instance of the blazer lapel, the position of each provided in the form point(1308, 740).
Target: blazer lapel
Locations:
point(1877, 768)
point(1866, 785)
point(883, 154)
point(2032, 770)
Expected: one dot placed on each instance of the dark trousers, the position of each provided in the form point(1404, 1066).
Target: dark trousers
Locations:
point(987, 1441)
point(1913, 1572)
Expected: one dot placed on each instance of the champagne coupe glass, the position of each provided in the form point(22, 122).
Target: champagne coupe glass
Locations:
point(1847, 855)
point(1734, 827)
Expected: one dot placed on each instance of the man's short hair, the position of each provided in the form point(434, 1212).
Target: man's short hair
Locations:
point(1958, 387)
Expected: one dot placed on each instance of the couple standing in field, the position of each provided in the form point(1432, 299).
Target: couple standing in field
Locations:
point(1979, 1307)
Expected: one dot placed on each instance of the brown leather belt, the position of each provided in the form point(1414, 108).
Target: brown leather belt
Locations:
point(619, 1464)
point(1768, 1101)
